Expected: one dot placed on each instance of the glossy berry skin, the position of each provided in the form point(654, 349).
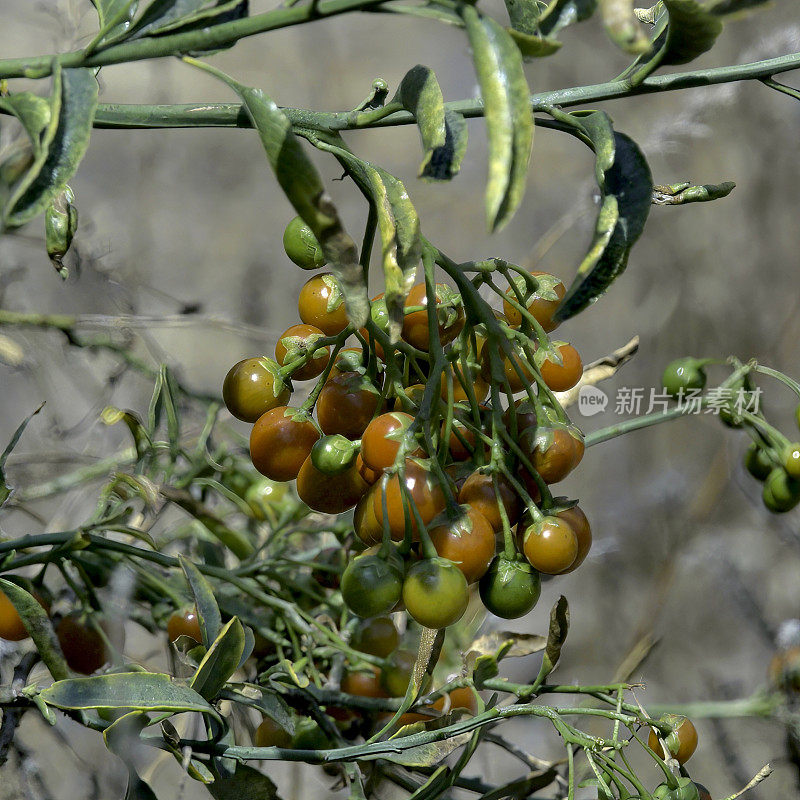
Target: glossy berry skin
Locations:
point(791, 461)
point(297, 340)
point(579, 523)
point(371, 586)
point(478, 492)
point(682, 376)
point(512, 367)
point(757, 462)
point(510, 589)
point(270, 734)
point(83, 646)
point(329, 494)
point(309, 736)
point(363, 683)
point(562, 377)
point(334, 454)
point(554, 455)
point(302, 246)
point(550, 545)
point(382, 438)
point(781, 493)
point(365, 523)
point(280, 442)
point(252, 387)
point(681, 743)
point(377, 636)
point(435, 593)
point(463, 697)
point(541, 304)
point(367, 473)
point(460, 379)
point(396, 673)
point(423, 490)
point(784, 670)
point(468, 541)
point(12, 628)
point(185, 623)
point(264, 496)
point(415, 323)
point(321, 304)
point(346, 404)
point(462, 441)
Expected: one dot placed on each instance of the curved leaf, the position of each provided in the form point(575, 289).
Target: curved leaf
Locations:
point(5, 489)
point(507, 111)
point(170, 16)
point(533, 46)
point(246, 783)
point(142, 691)
point(32, 111)
point(303, 187)
point(220, 662)
point(623, 26)
point(63, 143)
point(204, 600)
point(420, 93)
point(38, 625)
point(115, 18)
point(398, 223)
point(560, 13)
point(445, 161)
point(691, 30)
point(626, 184)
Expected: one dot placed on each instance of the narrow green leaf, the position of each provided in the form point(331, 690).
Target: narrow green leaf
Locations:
point(445, 161)
point(626, 184)
point(691, 30)
point(509, 121)
point(303, 187)
point(63, 144)
point(424, 755)
point(560, 13)
point(398, 224)
point(434, 787)
point(204, 600)
point(246, 783)
point(521, 644)
point(534, 46)
point(524, 15)
point(5, 489)
point(205, 15)
point(623, 27)
point(32, 111)
point(142, 691)
point(160, 14)
point(420, 93)
point(556, 636)
point(115, 18)
point(680, 194)
point(38, 625)
point(221, 661)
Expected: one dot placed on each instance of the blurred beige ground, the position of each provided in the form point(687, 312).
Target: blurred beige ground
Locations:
point(170, 218)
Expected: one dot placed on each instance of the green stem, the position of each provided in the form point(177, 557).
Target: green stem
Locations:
point(191, 115)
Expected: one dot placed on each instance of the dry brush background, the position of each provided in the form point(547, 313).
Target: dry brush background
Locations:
point(684, 553)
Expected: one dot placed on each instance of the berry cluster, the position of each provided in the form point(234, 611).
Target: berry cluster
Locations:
point(445, 443)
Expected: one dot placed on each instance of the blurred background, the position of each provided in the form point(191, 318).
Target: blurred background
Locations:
point(180, 246)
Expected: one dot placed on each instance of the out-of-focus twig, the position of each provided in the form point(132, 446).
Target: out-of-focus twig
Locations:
point(600, 370)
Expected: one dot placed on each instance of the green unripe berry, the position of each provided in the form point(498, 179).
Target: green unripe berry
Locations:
point(302, 246)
